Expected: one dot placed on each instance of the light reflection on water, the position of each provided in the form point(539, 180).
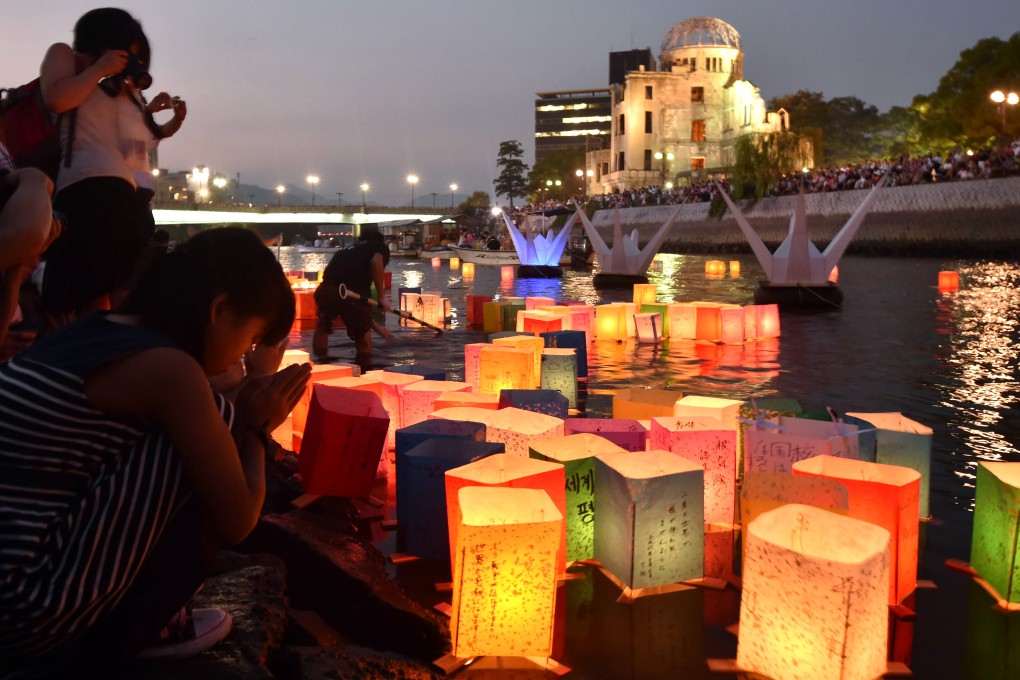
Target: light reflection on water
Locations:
point(948, 361)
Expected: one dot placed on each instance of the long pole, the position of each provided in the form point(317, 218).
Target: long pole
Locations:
point(340, 199)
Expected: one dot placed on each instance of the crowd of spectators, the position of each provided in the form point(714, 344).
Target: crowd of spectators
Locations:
point(959, 165)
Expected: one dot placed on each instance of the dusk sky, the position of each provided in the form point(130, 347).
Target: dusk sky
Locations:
point(371, 91)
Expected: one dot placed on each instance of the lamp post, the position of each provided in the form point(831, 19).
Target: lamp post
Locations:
point(155, 184)
point(279, 193)
point(412, 180)
point(219, 181)
point(453, 190)
point(340, 200)
point(584, 177)
point(1002, 99)
point(364, 187)
point(313, 180)
point(664, 158)
point(200, 174)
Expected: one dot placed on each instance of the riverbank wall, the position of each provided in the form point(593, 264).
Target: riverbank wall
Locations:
point(977, 218)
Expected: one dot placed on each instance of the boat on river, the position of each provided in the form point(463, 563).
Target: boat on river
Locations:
point(493, 257)
point(317, 249)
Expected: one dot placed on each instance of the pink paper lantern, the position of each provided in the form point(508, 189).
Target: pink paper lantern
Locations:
point(419, 398)
point(683, 320)
point(731, 321)
point(392, 386)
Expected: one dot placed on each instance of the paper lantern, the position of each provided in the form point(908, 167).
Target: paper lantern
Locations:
point(707, 442)
point(428, 307)
point(539, 322)
point(720, 549)
point(714, 268)
point(505, 576)
point(650, 529)
point(506, 274)
point(510, 309)
point(426, 371)
point(572, 339)
point(726, 411)
point(767, 321)
point(639, 403)
point(514, 427)
point(472, 363)
point(468, 270)
point(731, 324)
point(775, 446)
point(905, 442)
point(549, 402)
point(502, 368)
point(343, 442)
point(834, 274)
point(648, 328)
point(629, 435)
point(885, 495)
point(473, 399)
point(418, 398)
point(709, 323)
point(411, 436)
point(662, 309)
point(454, 263)
point(993, 639)
point(530, 342)
point(764, 491)
point(300, 414)
point(559, 373)
point(294, 356)
point(750, 322)
point(533, 302)
point(610, 323)
point(576, 452)
point(993, 549)
point(320, 372)
point(813, 603)
point(492, 316)
point(436, 261)
point(644, 292)
point(504, 470)
point(475, 312)
point(305, 310)
point(734, 268)
point(392, 386)
point(949, 281)
point(577, 317)
point(423, 529)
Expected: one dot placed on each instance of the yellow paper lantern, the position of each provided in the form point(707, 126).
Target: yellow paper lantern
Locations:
point(709, 323)
point(813, 602)
point(529, 342)
point(472, 363)
point(610, 323)
point(644, 293)
point(714, 268)
point(505, 575)
point(734, 268)
point(502, 367)
point(514, 427)
point(392, 396)
point(638, 403)
point(454, 263)
point(885, 495)
point(471, 399)
point(468, 270)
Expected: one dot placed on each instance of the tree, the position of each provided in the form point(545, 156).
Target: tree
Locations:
point(559, 165)
point(511, 181)
point(844, 129)
point(761, 161)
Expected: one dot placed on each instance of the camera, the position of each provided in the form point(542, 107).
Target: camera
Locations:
point(133, 69)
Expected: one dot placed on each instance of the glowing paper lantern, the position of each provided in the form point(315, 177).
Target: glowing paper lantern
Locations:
point(726, 411)
point(630, 435)
point(320, 372)
point(454, 263)
point(472, 363)
point(424, 370)
point(610, 323)
point(764, 491)
point(504, 470)
point(648, 328)
point(506, 274)
point(662, 309)
point(539, 322)
point(305, 310)
point(576, 453)
point(767, 321)
point(343, 442)
point(510, 309)
point(559, 373)
point(993, 549)
point(577, 317)
point(392, 392)
point(949, 281)
point(468, 270)
point(720, 549)
point(638, 403)
point(734, 268)
point(418, 399)
point(650, 529)
point(707, 442)
point(492, 316)
point(683, 320)
point(813, 603)
point(409, 437)
point(505, 575)
point(514, 427)
point(715, 268)
point(294, 356)
point(504, 368)
point(429, 307)
point(549, 402)
point(529, 342)
point(474, 308)
point(709, 322)
point(885, 495)
point(572, 339)
point(644, 292)
point(731, 323)
point(906, 442)
point(533, 302)
point(776, 446)
point(423, 529)
point(436, 262)
point(299, 416)
point(473, 399)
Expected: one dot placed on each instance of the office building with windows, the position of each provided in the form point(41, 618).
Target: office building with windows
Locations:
point(573, 119)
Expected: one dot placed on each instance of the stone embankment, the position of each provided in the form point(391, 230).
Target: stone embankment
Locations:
point(978, 218)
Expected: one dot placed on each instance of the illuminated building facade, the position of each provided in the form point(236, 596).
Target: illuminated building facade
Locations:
point(680, 123)
point(571, 119)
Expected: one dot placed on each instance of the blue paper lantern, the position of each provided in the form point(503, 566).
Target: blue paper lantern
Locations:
point(547, 402)
point(576, 340)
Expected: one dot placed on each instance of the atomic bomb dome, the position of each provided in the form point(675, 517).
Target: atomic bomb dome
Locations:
point(700, 32)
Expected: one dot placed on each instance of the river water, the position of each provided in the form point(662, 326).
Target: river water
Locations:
point(947, 360)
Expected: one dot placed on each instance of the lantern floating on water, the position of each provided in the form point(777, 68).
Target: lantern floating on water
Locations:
point(644, 292)
point(731, 324)
point(572, 339)
point(886, 496)
point(534, 302)
point(630, 435)
point(492, 316)
point(993, 550)
point(505, 575)
point(392, 396)
point(715, 268)
point(726, 411)
point(813, 605)
point(454, 263)
point(648, 327)
point(709, 323)
point(472, 399)
point(436, 261)
point(683, 320)
point(905, 442)
point(418, 398)
point(949, 281)
point(610, 323)
point(639, 403)
point(734, 268)
point(468, 270)
point(559, 373)
point(776, 446)
point(539, 322)
point(473, 303)
point(506, 274)
point(300, 417)
point(709, 443)
point(548, 402)
point(662, 309)
point(533, 344)
point(764, 491)
point(514, 427)
point(650, 530)
point(503, 368)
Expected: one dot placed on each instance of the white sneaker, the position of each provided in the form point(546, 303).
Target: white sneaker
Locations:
point(194, 632)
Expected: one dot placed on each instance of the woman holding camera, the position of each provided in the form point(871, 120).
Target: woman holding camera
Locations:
point(107, 130)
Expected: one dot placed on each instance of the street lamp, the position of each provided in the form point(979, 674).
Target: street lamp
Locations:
point(412, 180)
point(200, 174)
point(313, 180)
point(279, 193)
point(340, 200)
point(664, 160)
point(453, 190)
point(364, 187)
point(1002, 99)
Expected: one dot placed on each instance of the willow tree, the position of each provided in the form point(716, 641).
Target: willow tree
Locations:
point(761, 160)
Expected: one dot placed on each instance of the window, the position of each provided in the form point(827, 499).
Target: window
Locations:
point(648, 122)
point(603, 169)
point(620, 165)
point(697, 94)
point(694, 63)
point(697, 163)
point(697, 130)
point(648, 91)
point(621, 128)
point(648, 159)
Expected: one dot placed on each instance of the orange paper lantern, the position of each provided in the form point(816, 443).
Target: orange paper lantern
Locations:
point(468, 270)
point(949, 281)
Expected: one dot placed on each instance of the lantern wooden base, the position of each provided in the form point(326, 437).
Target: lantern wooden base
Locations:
point(895, 669)
point(1001, 603)
point(449, 664)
